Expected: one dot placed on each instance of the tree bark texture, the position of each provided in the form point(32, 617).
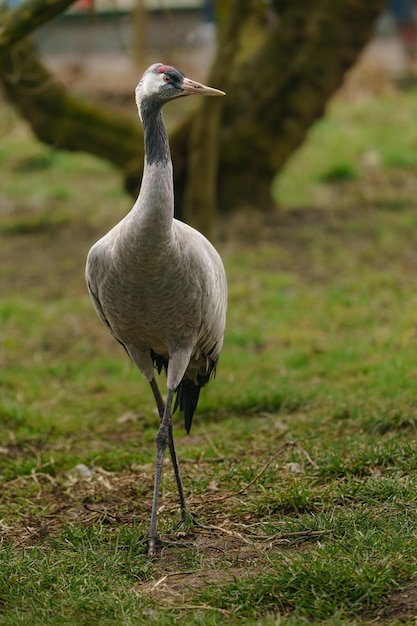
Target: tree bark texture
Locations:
point(277, 93)
point(200, 200)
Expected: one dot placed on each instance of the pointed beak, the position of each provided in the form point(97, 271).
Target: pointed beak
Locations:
point(191, 87)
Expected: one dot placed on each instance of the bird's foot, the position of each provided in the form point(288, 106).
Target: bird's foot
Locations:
point(156, 544)
point(152, 544)
point(187, 521)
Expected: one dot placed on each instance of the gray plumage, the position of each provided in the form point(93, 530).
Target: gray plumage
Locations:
point(158, 284)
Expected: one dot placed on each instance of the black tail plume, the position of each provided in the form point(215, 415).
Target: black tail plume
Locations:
point(188, 391)
point(187, 400)
point(159, 362)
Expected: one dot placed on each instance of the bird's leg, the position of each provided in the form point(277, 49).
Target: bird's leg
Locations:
point(158, 398)
point(162, 440)
point(184, 511)
point(161, 408)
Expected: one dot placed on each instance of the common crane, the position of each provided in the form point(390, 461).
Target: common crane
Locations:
point(158, 284)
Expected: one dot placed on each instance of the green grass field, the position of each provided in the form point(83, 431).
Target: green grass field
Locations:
point(301, 464)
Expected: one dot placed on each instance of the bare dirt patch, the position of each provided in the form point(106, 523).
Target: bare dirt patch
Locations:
point(401, 607)
point(221, 559)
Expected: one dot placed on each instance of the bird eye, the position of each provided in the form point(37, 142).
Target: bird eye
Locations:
point(166, 78)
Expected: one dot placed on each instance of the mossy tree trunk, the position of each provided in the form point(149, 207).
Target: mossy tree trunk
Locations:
point(279, 91)
point(277, 86)
point(62, 121)
point(200, 199)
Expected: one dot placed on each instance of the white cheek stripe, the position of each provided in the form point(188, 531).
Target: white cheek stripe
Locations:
point(151, 84)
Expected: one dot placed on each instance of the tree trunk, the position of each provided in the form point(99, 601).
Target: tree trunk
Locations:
point(277, 93)
point(200, 198)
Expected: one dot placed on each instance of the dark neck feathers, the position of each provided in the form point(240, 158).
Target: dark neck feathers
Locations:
point(156, 136)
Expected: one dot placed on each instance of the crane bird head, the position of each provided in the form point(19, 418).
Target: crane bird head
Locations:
point(161, 83)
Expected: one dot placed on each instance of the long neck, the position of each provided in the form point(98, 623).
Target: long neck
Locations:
point(156, 136)
point(150, 221)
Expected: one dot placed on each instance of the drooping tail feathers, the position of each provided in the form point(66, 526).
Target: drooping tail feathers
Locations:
point(187, 400)
point(187, 391)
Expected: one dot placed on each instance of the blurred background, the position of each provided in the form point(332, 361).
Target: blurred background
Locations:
point(91, 38)
point(101, 48)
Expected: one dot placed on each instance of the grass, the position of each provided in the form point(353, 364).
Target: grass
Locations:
point(301, 465)
point(355, 140)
